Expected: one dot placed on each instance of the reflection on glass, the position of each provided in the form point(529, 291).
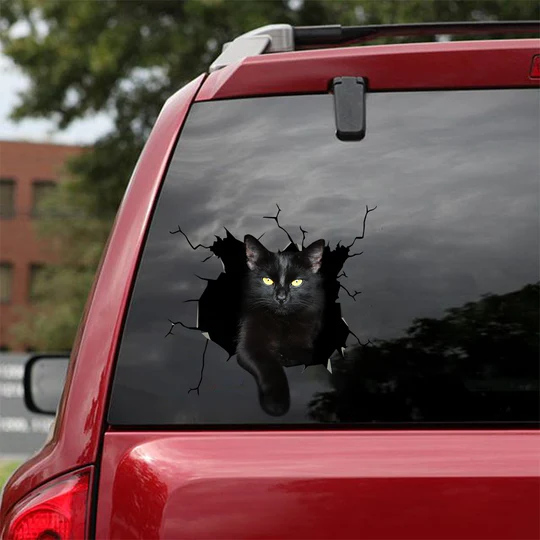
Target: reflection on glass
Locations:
point(454, 176)
point(477, 363)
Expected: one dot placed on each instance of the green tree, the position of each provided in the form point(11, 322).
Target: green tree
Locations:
point(125, 58)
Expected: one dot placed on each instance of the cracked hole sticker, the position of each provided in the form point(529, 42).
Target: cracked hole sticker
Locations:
point(274, 310)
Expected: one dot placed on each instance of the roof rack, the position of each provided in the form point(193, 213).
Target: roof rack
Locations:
point(284, 37)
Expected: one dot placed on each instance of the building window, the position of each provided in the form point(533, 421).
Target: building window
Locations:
point(41, 190)
point(34, 291)
point(6, 282)
point(7, 198)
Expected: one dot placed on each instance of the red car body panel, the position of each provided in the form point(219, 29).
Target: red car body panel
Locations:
point(417, 66)
point(326, 484)
point(284, 484)
point(80, 419)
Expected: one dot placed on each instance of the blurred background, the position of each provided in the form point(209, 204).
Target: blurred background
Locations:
point(81, 85)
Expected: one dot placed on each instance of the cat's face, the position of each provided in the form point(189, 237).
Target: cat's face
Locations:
point(284, 281)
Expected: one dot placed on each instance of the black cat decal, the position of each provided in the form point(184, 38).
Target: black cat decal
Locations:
point(282, 311)
point(274, 309)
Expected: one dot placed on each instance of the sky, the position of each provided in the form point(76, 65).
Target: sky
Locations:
point(12, 83)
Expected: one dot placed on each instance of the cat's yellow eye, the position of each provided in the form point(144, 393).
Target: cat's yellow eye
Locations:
point(267, 281)
point(296, 283)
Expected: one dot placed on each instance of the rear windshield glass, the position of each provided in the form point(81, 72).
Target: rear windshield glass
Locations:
point(292, 278)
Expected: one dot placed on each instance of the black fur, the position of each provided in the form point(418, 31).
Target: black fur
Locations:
point(279, 322)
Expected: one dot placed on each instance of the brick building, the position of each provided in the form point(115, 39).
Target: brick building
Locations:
point(28, 171)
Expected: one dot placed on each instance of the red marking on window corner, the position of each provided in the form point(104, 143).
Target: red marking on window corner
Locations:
point(535, 67)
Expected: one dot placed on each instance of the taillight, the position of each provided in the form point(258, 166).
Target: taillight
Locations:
point(56, 511)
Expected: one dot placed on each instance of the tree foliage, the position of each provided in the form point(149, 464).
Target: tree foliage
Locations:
point(126, 58)
point(478, 362)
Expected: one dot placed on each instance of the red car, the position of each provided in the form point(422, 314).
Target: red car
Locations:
point(317, 313)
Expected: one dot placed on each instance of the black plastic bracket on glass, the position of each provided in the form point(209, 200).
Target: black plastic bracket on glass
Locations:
point(350, 108)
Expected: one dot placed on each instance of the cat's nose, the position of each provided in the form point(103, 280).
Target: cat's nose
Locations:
point(281, 296)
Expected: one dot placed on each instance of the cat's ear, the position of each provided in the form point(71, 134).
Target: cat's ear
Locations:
point(255, 251)
point(314, 254)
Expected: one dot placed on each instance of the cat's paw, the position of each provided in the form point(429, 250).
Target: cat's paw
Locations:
point(273, 405)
